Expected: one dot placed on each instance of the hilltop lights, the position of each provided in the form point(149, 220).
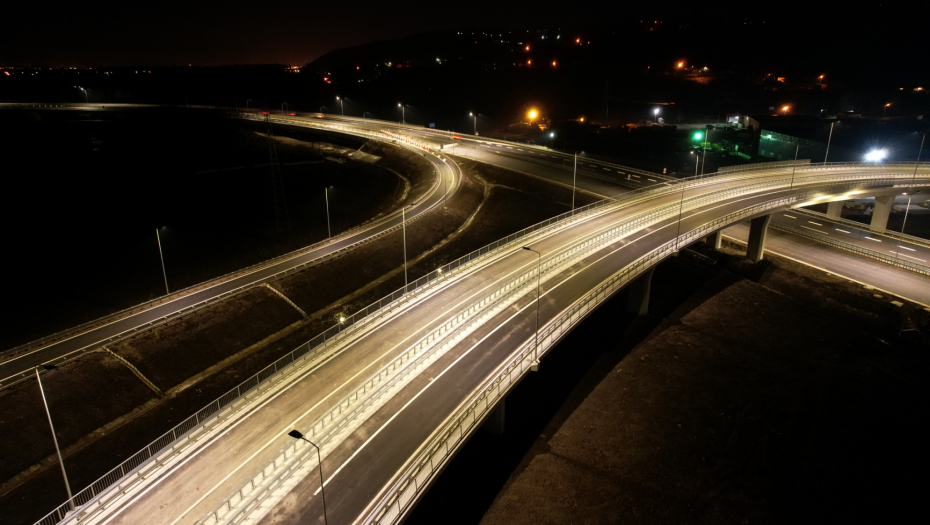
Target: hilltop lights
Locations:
point(532, 114)
point(876, 155)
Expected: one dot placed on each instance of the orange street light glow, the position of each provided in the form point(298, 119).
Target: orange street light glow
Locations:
point(681, 65)
point(553, 63)
point(577, 40)
point(527, 48)
point(529, 62)
point(532, 114)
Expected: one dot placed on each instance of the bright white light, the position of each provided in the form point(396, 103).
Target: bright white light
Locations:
point(552, 134)
point(876, 155)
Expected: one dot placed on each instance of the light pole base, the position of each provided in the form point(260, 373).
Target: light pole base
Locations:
point(534, 367)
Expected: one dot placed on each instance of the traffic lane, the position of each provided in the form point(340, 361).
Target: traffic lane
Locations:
point(895, 280)
point(98, 335)
point(863, 238)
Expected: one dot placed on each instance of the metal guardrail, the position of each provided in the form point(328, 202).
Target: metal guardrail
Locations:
point(865, 227)
point(430, 459)
point(856, 250)
point(181, 436)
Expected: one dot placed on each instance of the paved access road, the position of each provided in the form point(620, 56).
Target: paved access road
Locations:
point(359, 466)
point(886, 243)
point(13, 369)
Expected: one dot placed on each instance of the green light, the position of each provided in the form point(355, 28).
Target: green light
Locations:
point(698, 136)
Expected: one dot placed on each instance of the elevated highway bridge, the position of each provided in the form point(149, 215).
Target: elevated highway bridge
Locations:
point(393, 392)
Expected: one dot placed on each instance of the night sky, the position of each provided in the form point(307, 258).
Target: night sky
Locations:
point(296, 32)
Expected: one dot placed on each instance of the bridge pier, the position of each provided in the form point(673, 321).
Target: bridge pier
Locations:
point(715, 239)
point(637, 302)
point(758, 229)
point(494, 423)
point(835, 209)
point(881, 212)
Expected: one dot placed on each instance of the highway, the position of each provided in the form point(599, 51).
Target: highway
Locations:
point(862, 237)
point(898, 281)
point(370, 439)
point(371, 449)
point(15, 368)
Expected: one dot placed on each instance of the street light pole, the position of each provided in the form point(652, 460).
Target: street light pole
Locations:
point(681, 208)
point(574, 179)
point(403, 119)
point(329, 231)
point(55, 439)
point(794, 166)
point(697, 161)
point(538, 275)
point(342, 108)
point(704, 155)
point(297, 435)
point(472, 114)
point(829, 138)
point(162, 257)
point(917, 164)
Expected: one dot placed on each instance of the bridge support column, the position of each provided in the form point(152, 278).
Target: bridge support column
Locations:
point(494, 423)
point(715, 239)
point(637, 301)
point(758, 229)
point(835, 209)
point(881, 212)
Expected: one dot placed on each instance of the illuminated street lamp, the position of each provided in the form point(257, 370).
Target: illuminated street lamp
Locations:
point(535, 365)
point(297, 435)
point(784, 110)
point(54, 437)
point(885, 109)
point(532, 114)
point(403, 119)
point(655, 115)
point(85, 94)
point(820, 79)
point(876, 155)
point(471, 114)
point(342, 108)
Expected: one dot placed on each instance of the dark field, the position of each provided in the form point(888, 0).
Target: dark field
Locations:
point(118, 175)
